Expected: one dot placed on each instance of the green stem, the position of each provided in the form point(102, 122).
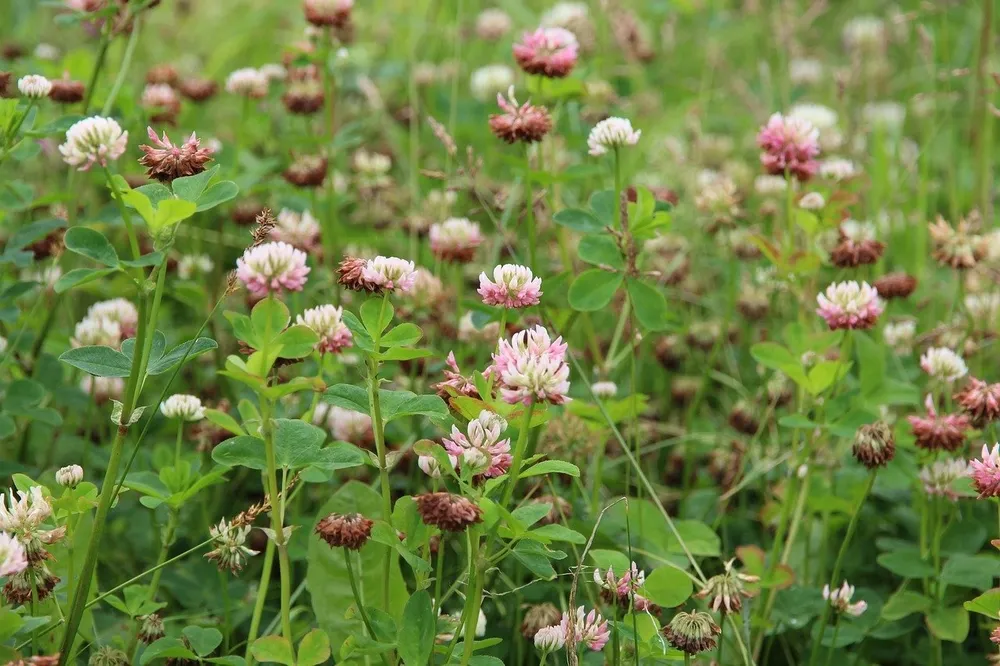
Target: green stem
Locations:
point(379, 434)
point(277, 526)
point(102, 54)
point(133, 39)
point(357, 600)
point(515, 467)
point(474, 599)
point(618, 187)
point(834, 578)
point(258, 609)
point(177, 444)
point(127, 219)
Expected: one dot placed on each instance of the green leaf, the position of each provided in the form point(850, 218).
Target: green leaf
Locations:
point(534, 557)
point(649, 303)
point(578, 220)
point(609, 559)
point(191, 348)
point(593, 289)
point(296, 445)
point(949, 624)
point(296, 341)
point(80, 276)
point(92, 244)
point(376, 315)
point(903, 603)
point(273, 650)
point(604, 206)
point(824, 374)
point(326, 577)
point(871, 362)
point(218, 193)
point(190, 188)
point(269, 318)
point(557, 532)
point(667, 586)
point(166, 648)
point(975, 571)
point(906, 563)
point(416, 634)
point(170, 212)
point(151, 259)
point(224, 421)
point(403, 335)
point(314, 648)
point(141, 203)
point(395, 404)
point(32, 232)
point(203, 640)
point(987, 603)
point(551, 467)
point(98, 360)
point(601, 251)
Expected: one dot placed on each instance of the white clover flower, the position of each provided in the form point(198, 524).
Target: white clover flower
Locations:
point(327, 321)
point(899, 335)
point(390, 273)
point(274, 71)
point(193, 265)
point(427, 289)
point(159, 96)
point(23, 516)
point(299, 229)
point(604, 389)
point(939, 476)
point(565, 15)
point(512, 286)
point(864, 32)
point(69, 476)
point(348, 426)
point(103, 388)
point(13, 559)
point(230, 550)
point(858, 232)
point(812, 201)
point(44, 275)
point(489, 81)
point(94, 140)
point(805, 71)
point(819, 116)
point(840, 600)
point(184, 407)
point(455, 239)
point(34, 86)
point(767, 185)
point(612, 133)
point(90, 331)
point(44, 51)
point(371, 163)
point(493, 23)
point(849, 305)
point(272, 267)
point(837, 169)
point(943, 364)
point(983, 307)
point(430, 466)
point(884, 115)
point(550, 639)
point(248, 82)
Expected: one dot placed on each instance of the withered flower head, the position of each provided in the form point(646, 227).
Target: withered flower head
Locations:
point(958, 247)
point(525, 122)
point(151, 628)
point(198, 90)
point(727, 590)
point(857, 246)
point(165, 161)
point(351, 274)
point(539, 616)
point(164, 73)
point(37, 578)
point(692, 632)
point(303, 96)
point(981, 401)
point(742, 418)
point(66, 90)
point(934, 432)
point(350, 531)
point(107, 655)
point(246, 211)
point(452, 513)
point(874, 445)
point(895, 285)
point(307, 171)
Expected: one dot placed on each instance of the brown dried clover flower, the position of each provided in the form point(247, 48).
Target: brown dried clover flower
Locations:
point(981, 401)
point(874, 445)
point(307, 171)
point(895, 285)
point(351, 531)
point(958, 247)
point(151, 628)
point(692, 632)
point(451, 513)
point(164, 73)
point(66, 90)
point(198, 90)
point(742, 418)
point(857, 245)
point(519, 123)
point(350, 274)
point(165, 161)
point(304, 96)
point(539, 616)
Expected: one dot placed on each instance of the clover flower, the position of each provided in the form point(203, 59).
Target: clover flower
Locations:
point(984, 472)
point(272, 268)
point(858, 245)
point(612, 133)
point(939, 477)
point(550, 639)
point(491, 80)
point(301, 230)
point(935, 433)
point(34, 86)
point(895, 285)
point(692, 632)
point(512, 286)
point(849, 305)
point(345, 425)
point(323, 13)
point(12, 556)
point(350, 531)
point(943, 365)
point(90, 332)
point(624, 590)
point(840, 600)
point(389, 274)
point(588, 628)
point(874, 445)
point(103, 388)
point(184, 407)
point(727, 589)
point(481, 449)
point(550, 52)
point(248, 82)
point(192, 265)
point(451, 513)
point(165, 161)
point(94, 140)
point(532, 367)
point(455, 239)
point(981, 401)
point(900, 335)
point(526, 122)
point(957, 247)
point(230, 550)
point(789, 147)
point(327, 321)
point(69, 476)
